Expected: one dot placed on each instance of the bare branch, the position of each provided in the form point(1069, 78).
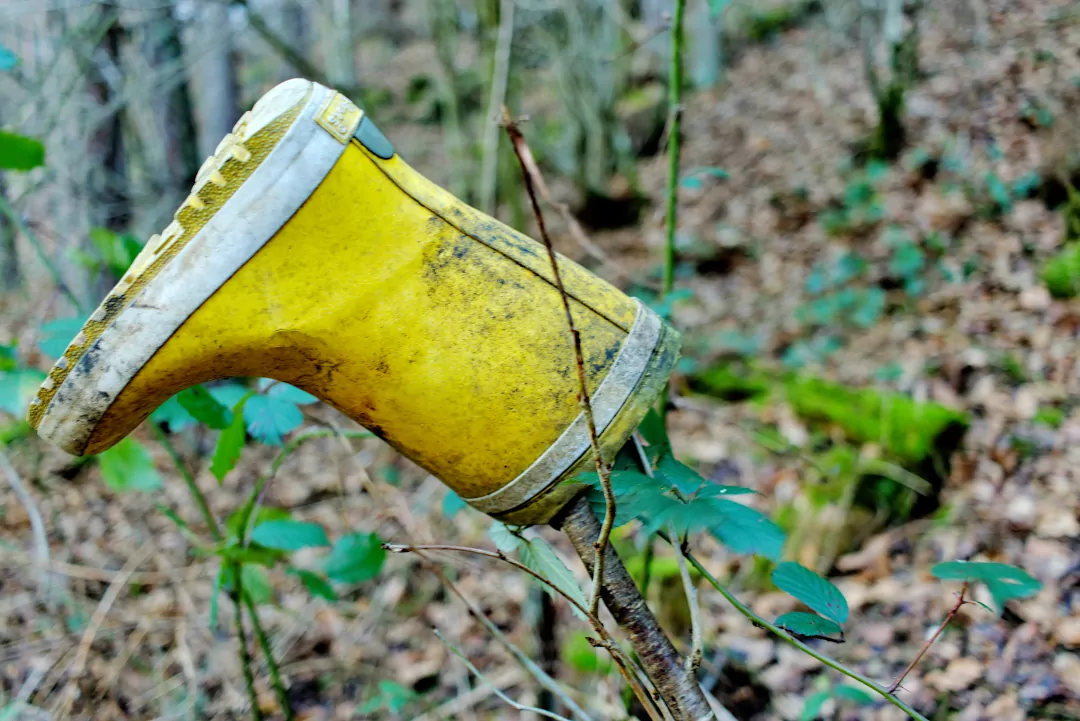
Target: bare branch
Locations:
point(602, 468)
point(930, 642)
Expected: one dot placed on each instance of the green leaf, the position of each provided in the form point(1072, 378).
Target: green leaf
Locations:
point(316, 585)
point(717, 7)
point(172, 516)
point(746, 530)
point(269, 419)
point(290, 394)
point(18, 152)
point(229, 394)
point(718, 490)
point(202, 406)
point(680, 475)
point(654, 431)
point(230, 443)
point(809, 625)
point(1004, 582)
point(17, 389)
point(253, 554)
point(355, 558)
point(538, 555)
point(813, 706)
point(452, 504)
point(813, 590)
point(503, 538)
point(234, 523)
point(256, 583)
point(392, 695)
point(127, 466)
point(219, 581)
point(290, 535)
point(173, 415)
point(8, 59)
point(853, 694)
point(55, 335)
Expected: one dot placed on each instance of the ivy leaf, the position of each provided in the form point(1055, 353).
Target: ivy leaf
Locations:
point(17, 389)
point(18, 152)
point(127, 466)
point(316, 585)
point(204, 408)
point(230, 443)
point(809, 625)
point(290, 535)
point(814, 704)
point(813, 590)
point(538, 555)
point(1004, 582)
point(55, 335)
point(355, 558)
point(746, 530)
point(269, 419)
point(452, 504)
point(853, 694)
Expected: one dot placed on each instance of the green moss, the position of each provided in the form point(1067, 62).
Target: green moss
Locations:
point(733, 381)
point(1061, 274)
point(906, 430)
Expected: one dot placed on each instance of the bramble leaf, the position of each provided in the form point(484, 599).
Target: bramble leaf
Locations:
point(315, 584)
point(230, 443)
point(18, 152)
point(1004, 582)
point(355, 558)
point(289, 535)
point(813, 590)
point(269, 419)
point(127, 466)
point(204, 408)
point(809, 625)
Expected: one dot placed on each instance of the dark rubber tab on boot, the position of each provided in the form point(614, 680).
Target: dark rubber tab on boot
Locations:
point(372, 139)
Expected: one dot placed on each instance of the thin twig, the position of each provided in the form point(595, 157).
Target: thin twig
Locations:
point(35, 242)
point(282, 48)
point(500, 73)
point(70, 692)
point(930, 642)
point(189, 480)
point(241, 639)
point(602, 468)
point(541, 676)
point(627, 669)
point(476, 672)
point(37, 528)
point(697, 643)
point(787, 637)
point(673, 147)
point(679, 690)
point(268, 652)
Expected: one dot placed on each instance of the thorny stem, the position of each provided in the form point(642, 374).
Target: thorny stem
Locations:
point(241, 637)
point(785, 636)
point(268, 652)
point(476, 672)
point(606, 642)
point(189, 480)
point(930, 642)
point(675, 110)
point(602, 468)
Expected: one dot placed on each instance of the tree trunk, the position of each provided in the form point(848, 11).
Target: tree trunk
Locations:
point(215, 76)
point(109, 192)
point(172, 108)
point(10, 278)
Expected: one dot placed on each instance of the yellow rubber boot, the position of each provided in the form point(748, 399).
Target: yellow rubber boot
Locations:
point(310, 253)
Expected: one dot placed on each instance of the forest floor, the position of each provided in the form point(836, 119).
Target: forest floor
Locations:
point(969, 326)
